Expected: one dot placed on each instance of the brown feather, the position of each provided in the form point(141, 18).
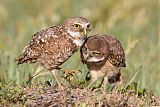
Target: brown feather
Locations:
point(113, 54)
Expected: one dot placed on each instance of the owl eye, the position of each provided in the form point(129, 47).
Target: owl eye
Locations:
point(96, 53)
point(76, 26)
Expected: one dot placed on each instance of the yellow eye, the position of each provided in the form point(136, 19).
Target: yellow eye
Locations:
point(76, 26)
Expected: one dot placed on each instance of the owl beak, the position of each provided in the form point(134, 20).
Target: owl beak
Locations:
point(84, 34)
point(86, 30)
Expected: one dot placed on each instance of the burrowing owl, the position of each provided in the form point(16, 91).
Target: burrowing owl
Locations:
point(53, 46)
point(104, 56)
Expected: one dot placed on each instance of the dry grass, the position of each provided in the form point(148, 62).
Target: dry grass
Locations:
point(45, 96)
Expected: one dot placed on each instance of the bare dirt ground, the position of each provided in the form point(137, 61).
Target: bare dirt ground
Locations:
point(65, 97)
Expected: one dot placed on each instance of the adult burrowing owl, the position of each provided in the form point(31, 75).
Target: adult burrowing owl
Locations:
point(104, 56)
point(53, 46)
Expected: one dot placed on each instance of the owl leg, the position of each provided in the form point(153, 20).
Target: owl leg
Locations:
point(95, 83)
point(70, 72)
point(92, 83)
point(97, 78)
point(54, 73)
point(106, 83)
point(38, 71)
point(94, 78)
point(105, 80)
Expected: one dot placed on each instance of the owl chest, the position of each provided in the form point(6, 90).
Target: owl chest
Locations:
point(108, 68)
point(105, 68)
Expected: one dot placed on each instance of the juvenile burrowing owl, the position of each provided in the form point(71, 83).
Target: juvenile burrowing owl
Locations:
point(104, 56)
point(53, 46)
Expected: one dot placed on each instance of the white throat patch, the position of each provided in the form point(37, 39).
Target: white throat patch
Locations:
point(74, 34)
point(78, 42)
point(93, 59)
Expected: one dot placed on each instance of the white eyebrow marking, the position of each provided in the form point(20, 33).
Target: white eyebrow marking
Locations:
point(87, 24)
point(83, 25)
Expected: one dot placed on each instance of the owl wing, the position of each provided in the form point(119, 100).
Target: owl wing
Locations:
point(32, 52)
point(57, 51)
point(116, 54)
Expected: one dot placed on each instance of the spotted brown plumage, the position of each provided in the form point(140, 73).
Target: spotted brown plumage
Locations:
point(53, 46)
point(116, 52)
point(104, 56)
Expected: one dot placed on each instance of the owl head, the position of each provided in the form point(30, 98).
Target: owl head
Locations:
point(95, 49)
point(77, 28)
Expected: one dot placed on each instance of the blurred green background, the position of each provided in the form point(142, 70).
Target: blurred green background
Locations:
point(134, 22)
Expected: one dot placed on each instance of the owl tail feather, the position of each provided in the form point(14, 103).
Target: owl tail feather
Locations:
point(21, 59)
point(25, 59)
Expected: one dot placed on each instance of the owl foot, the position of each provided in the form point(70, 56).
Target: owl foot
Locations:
point(69, 76)
point(70, 72)
point(95, 83)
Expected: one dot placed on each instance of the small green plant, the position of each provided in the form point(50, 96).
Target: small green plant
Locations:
point(10, 92)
